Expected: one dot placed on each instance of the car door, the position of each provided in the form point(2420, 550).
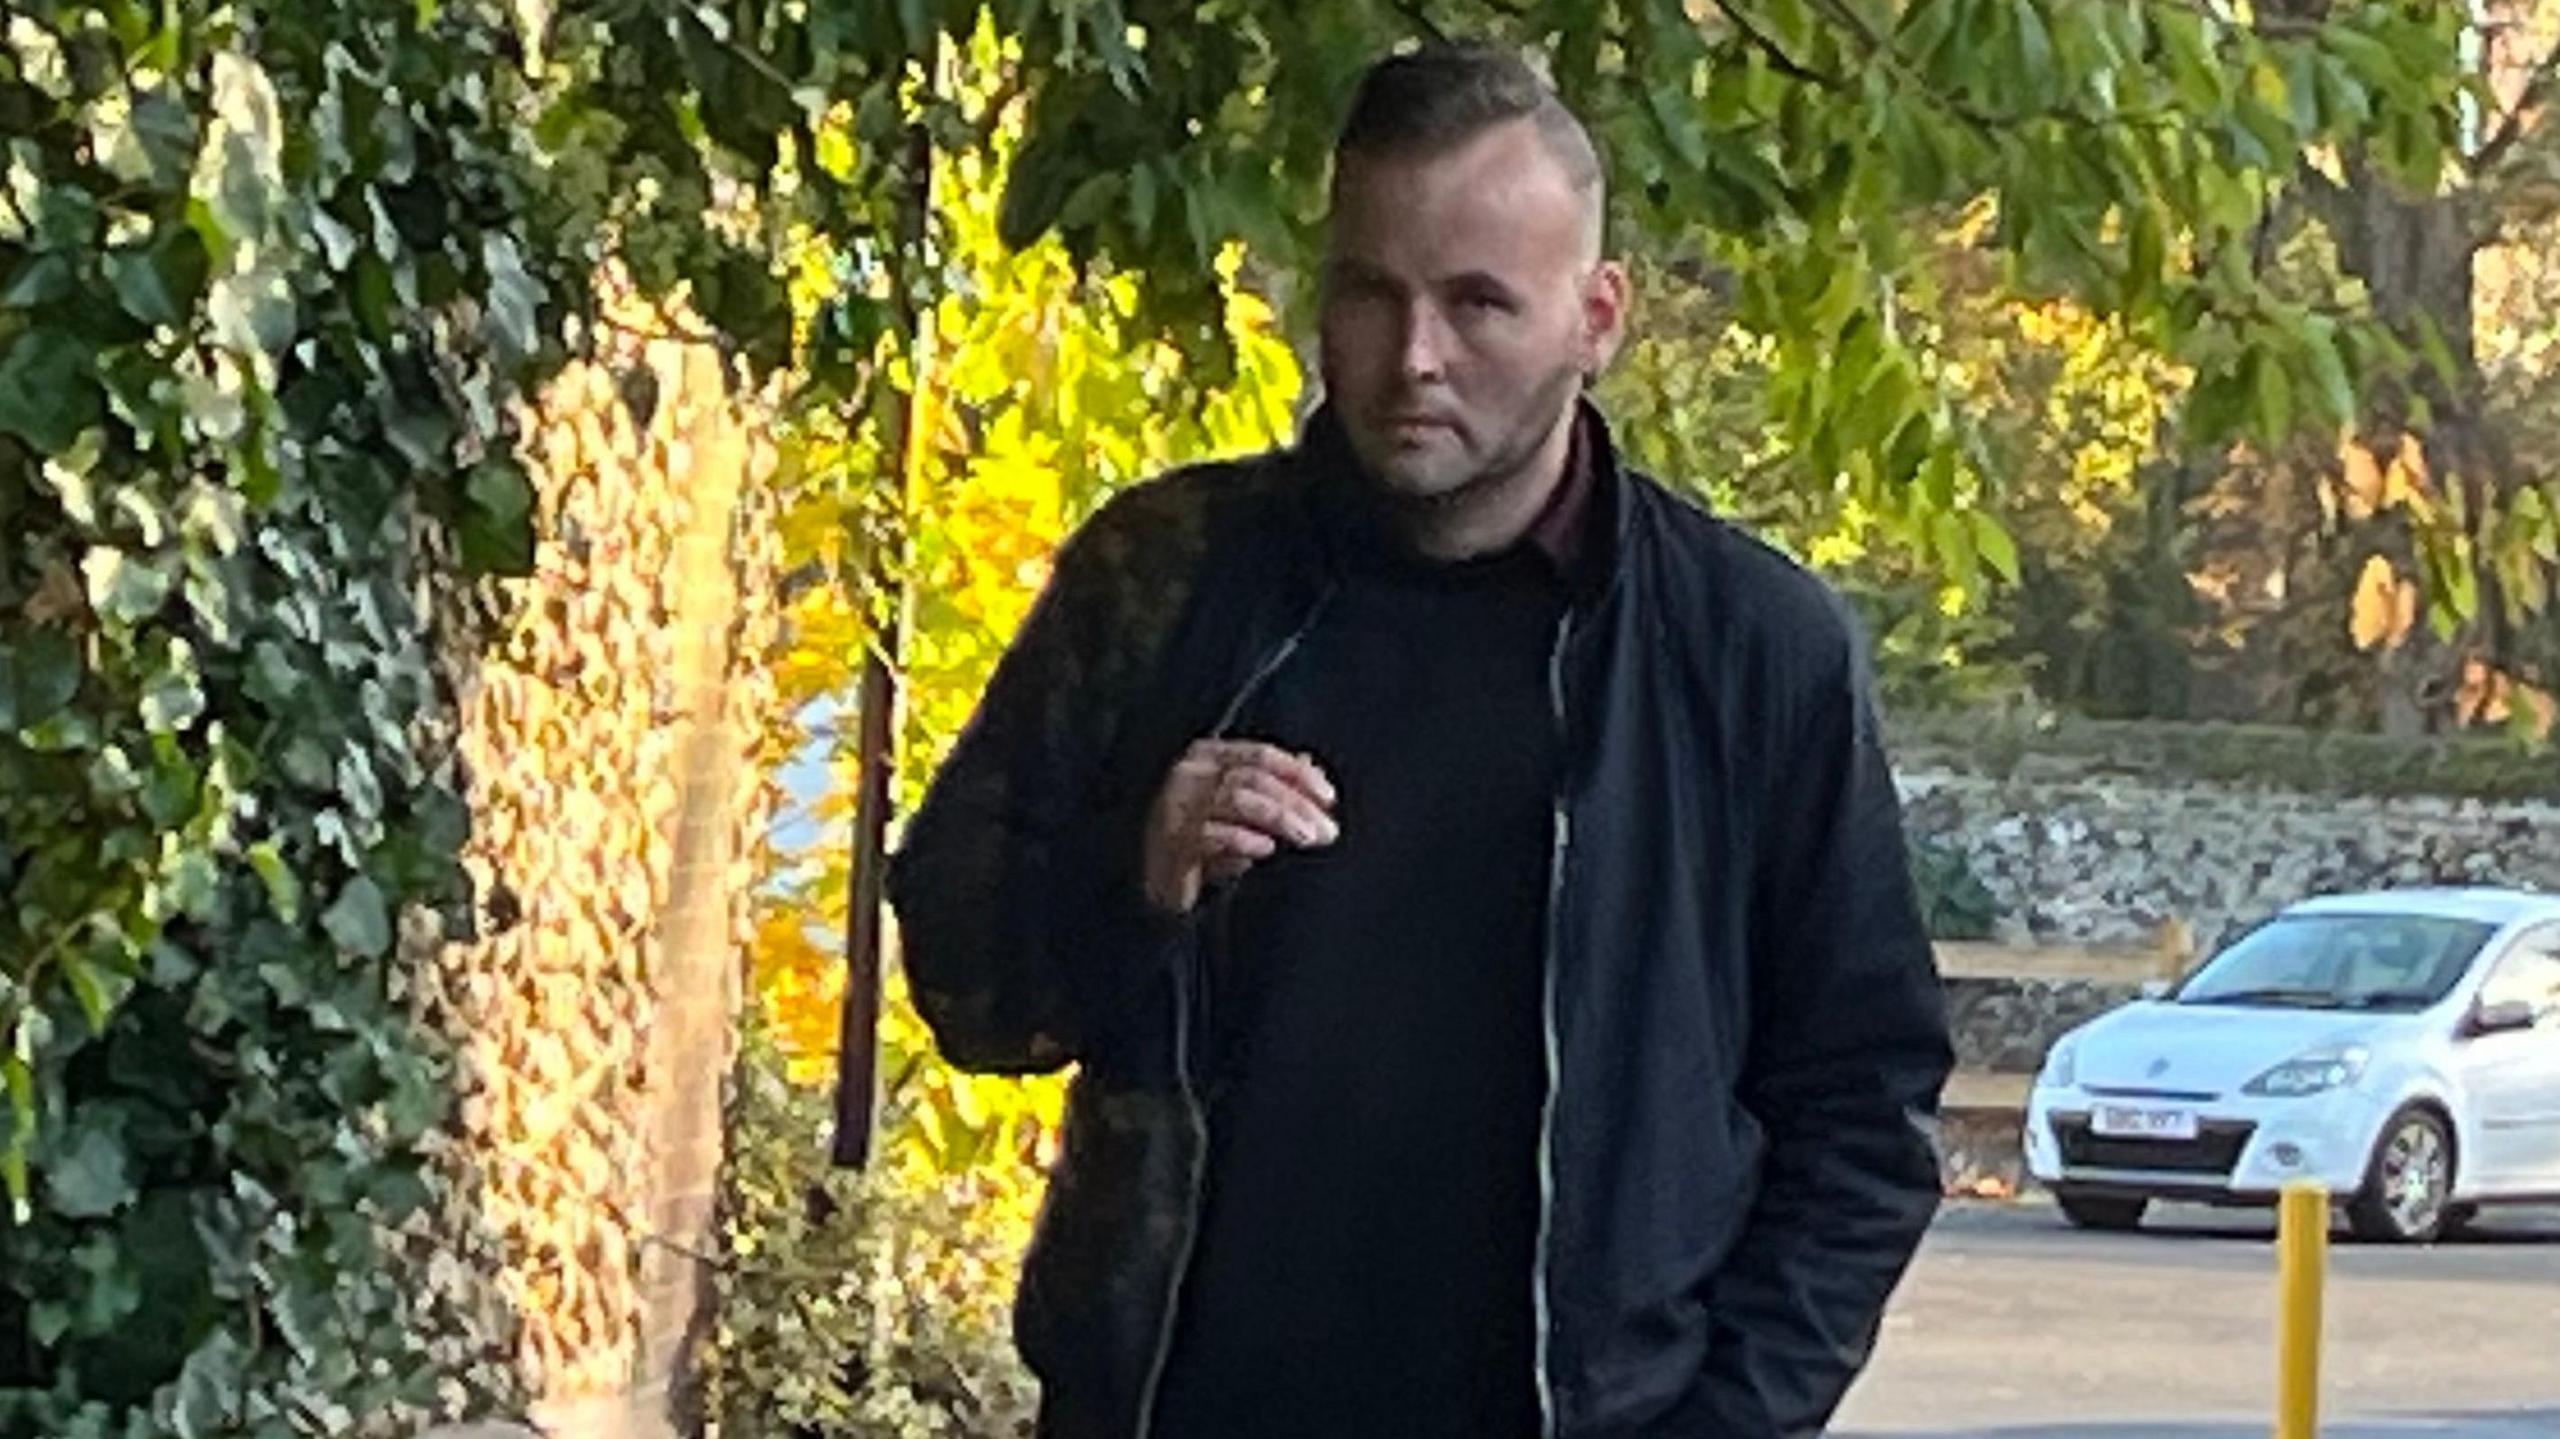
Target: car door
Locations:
point(2513, 1078)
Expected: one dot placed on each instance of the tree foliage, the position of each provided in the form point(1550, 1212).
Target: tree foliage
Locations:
point(2138, 161)
point(2128, 154)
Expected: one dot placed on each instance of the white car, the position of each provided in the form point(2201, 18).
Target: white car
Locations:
point(2401, 1048)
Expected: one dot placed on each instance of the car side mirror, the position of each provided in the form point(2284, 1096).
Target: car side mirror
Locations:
point(2156, 989)
point(2504, 1017)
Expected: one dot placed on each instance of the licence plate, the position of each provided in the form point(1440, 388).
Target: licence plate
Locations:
point(2126, 1121)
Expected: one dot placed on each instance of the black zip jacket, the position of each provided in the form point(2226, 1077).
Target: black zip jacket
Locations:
point(1745, 1033)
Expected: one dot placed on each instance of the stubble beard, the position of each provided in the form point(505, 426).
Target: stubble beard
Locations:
point(1506, 467)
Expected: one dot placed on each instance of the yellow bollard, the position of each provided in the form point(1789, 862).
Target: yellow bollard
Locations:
point(2302, 1265)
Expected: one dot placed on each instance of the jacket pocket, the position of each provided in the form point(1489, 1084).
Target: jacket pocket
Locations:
point(1096, 1290)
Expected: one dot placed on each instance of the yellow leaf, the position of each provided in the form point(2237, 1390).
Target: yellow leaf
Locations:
point(2362, 481)
point(2383, 609)
point(2406, 480)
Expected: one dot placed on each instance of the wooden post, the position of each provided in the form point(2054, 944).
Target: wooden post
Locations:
point(876, 754)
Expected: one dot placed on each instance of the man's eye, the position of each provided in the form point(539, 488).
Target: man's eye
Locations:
point(1485, 303)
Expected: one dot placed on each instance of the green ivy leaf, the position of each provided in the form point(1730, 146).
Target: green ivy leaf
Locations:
point(159, 284)
point(423, 436)
point(417, 1102)
point(17, 1075)
point(244, 171)
point(48, 388)
point(360, 921)
point(400, 1190)
point(123, 587)
point(306, 1315)
point(114, 1289)
point(97, 988)
point(496, 530)
point(172, 694)
point(190, 885)
point(66, 217)
point(514, 298)
point(39, 674)
point(89, 1178)
point(166, 135)
point(172, 785)
point(205, 1400)
point(284, 888)
point(41, 281)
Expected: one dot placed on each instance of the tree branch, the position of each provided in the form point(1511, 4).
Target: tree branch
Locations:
point(2330, 200)
point(991, 119)
point(1767, 44)
point(1880, 47)
point(2293, 27)
point(673, 333)
point(2538, 92)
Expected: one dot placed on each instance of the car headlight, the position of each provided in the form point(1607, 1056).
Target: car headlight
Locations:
point(2061, 1067)
point(2313, 1073)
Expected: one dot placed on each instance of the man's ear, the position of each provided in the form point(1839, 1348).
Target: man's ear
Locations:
point(1605, 298)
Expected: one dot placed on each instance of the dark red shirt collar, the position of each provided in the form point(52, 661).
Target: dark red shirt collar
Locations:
point(1562, 534)
point(1560, 528)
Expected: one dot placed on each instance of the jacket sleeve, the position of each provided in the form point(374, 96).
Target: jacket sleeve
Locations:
point(1024, 928)
point(1848, 1054)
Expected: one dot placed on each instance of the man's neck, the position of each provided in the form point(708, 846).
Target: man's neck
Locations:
point(1494, 513)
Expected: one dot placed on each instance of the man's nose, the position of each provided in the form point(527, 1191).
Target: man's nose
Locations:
point(1423, 352)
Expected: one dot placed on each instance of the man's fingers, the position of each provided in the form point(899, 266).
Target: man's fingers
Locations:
point(1226, 843)
point(1268, 803)
point(1296, 770)
point(1228, 804)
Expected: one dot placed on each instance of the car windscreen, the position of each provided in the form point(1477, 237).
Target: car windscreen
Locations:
point(2386, 962)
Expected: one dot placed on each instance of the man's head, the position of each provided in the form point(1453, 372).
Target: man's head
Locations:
point(1466, 299)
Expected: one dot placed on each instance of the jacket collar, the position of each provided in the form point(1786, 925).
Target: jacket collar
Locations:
point(1587, 546)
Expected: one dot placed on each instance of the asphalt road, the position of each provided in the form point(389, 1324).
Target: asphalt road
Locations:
point(2013, 1326)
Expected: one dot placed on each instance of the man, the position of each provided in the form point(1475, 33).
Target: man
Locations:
point(1465, 877)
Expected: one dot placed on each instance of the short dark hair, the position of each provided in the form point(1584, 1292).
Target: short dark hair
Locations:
point(1448, 91)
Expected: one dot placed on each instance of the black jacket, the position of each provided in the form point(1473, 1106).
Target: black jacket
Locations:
point(1746, 1034)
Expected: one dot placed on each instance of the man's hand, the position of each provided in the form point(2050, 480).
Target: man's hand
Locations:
point(1225, 805)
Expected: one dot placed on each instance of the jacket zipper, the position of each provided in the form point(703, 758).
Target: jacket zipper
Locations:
point(1185, 998)
point(1197, 1181)
point(1560, 844)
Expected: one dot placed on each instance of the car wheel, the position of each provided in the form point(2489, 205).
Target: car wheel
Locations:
point(2460, 1221)
point(2102, 1211)
point(2408, 1185)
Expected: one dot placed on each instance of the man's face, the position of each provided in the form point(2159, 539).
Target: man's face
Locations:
point(1464, 302)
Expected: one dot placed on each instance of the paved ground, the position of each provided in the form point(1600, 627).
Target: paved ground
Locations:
point(2013, 1326)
